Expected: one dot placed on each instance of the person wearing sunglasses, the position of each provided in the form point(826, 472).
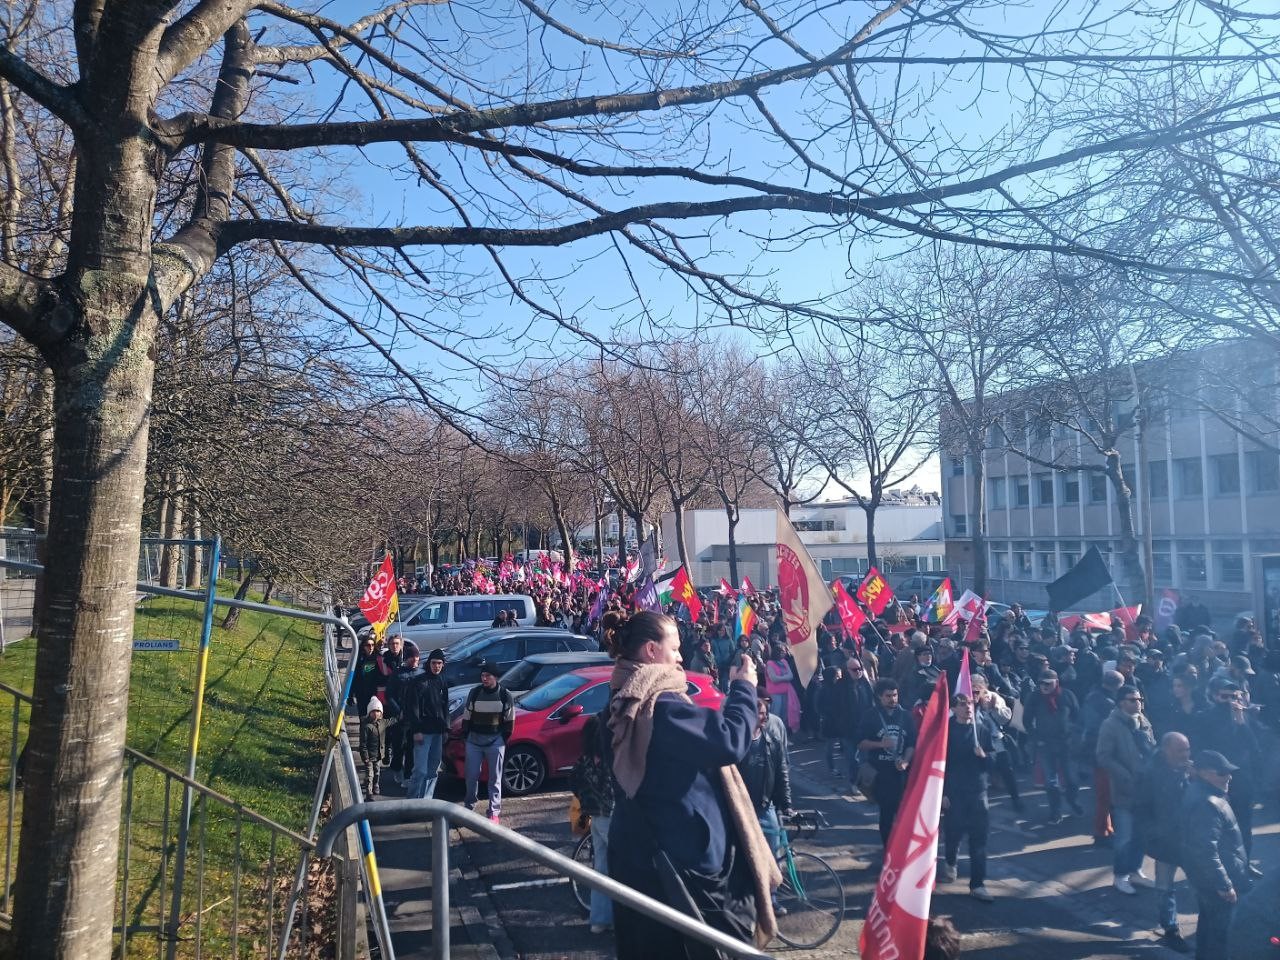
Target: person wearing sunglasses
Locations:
point(1125, 743)
point(1227, 728)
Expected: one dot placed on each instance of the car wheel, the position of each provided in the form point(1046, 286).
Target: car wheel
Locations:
point(524, 771)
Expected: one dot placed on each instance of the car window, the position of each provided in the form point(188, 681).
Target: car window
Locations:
point(502, 651)
point(544, 645)
point(549, 671)
point(578, 644)
point(432, 613)
point(593, 699)
point(524, 676)
point(472, 611)
point(540, 698)
point(515, 606)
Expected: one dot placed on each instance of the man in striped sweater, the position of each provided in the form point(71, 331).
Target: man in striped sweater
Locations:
point(487, 720)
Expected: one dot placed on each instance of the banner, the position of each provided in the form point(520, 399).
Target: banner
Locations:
point(378, 596)
point(851, 617)
point(899, 911)
point(682, 591)
point(745, 621)
point(875, 592)
point(747, 586)
point(647, 596)
point(804, 598)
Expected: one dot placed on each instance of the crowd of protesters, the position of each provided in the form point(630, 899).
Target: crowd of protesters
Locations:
point(1166, 728)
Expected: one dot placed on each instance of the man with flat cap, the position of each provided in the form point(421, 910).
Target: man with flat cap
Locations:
point(1213, 852)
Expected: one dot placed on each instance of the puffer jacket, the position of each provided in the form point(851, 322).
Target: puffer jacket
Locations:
point(1213, 856)
point(1124, 745)
point(1158, 806)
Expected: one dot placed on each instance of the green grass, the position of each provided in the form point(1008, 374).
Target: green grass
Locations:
point(261, 744)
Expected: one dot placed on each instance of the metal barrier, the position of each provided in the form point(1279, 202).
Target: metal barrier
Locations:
point(441, 814)
point(227, 841)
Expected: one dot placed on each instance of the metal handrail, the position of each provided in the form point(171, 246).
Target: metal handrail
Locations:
point(441, 813)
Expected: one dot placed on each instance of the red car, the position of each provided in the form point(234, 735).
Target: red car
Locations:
point(547, 739)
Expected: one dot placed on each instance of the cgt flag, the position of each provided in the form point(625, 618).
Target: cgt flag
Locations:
point(376, 604)
point(682, 591)
point(875, 592)
point(804, 598)
point(899, 911)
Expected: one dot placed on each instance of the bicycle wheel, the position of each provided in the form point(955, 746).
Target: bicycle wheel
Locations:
point(810, 902)
point(584, 853)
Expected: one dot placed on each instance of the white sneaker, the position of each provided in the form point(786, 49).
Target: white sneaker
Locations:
point(946, 872)
point(1124, 886)
point(1140, 879)
point(980, 892)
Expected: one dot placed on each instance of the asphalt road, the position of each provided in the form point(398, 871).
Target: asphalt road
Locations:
point(1053, 886)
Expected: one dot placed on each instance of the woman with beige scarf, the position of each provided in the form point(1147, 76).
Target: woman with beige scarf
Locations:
point(683, 829)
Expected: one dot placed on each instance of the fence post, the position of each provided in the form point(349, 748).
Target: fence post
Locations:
point(197, 708)
point(440, 887)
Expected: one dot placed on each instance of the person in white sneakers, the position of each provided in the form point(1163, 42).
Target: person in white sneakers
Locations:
point(1125, 743)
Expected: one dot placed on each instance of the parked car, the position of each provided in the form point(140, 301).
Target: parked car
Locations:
point(531, 672)
point(506, 647)
point(921, 584)
point(547, 739)
point(441, 619)
point(410, 607)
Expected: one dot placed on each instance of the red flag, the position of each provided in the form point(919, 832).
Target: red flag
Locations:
point(973, 632)
point(747, 585)
point(1128, 617)
point(726, 589)
point(682, 590)
point(875, 592)
point(376, 602)
point(850, 616)
point(899, 911)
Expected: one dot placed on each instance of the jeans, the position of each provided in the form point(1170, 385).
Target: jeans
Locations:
point(849, 751)
point(1166, 898)
point(1212, 924)
point(601, 905)
point(492, 752)
point(967, 816)
point(887, 790)
point(1127, 844)
point(771, 827)
point(426, 766)
point(1059, 778)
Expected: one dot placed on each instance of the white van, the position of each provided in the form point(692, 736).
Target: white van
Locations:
point(442, 620)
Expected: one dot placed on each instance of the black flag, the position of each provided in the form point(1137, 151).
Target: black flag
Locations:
point(1087, 576)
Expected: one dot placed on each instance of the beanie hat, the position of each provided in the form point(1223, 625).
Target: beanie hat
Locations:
point(436, 654)
point(374, 704)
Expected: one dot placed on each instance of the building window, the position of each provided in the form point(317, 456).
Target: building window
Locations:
point(957, 466)
point(995, 493)
point(1097, 487)
point(1021, 492)
point(1226, 474)
point(1161, 563)
point(1228, 563)
point(959, 524)
point(1191, 565)
point(1044, 489)
point(1070, 488)
point(1046, 563)
point(1190, 479)
point(1263, 467)
point(1071, 553)
point(1157, 479)
point(999, 563)
point(1022, 568)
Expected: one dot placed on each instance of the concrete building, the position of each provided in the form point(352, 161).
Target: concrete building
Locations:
point(1214, 510)
point(908, 538)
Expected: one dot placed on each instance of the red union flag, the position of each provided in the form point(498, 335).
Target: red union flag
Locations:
point(682, 590)
point(376, 602)
point(726, 589)
point(899, 911)
point(850, 616)
point(875, 592)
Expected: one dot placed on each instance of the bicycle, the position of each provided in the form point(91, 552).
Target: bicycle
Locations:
point(584, 852)
point(809, 905)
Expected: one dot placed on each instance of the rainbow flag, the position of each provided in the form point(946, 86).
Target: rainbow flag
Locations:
point(940, 605)
point(746, 620)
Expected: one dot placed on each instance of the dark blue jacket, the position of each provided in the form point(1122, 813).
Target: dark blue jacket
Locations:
point(680, 805)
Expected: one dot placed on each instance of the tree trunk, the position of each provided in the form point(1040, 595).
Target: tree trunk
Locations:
point(242, 591)
point(680, 547)
point(67, 856)
point(44, 492)
point(979, 537)
point(869, 510)
point(270, 588)
point(732, 515)
point(622, 538)
point(1130, 566)
point(195, 555)
point(600, 543)
point(562, 526)
point(173, 529)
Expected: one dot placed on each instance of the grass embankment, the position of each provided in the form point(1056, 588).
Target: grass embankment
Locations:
point(261, 743)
